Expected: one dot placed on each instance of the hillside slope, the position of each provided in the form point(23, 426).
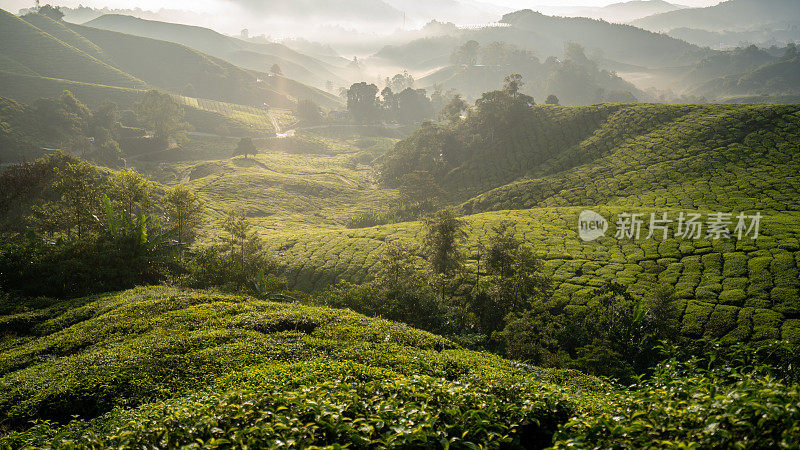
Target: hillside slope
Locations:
point(259, 372)
point(26, 46)
point(727, 15)
point(250, 55)
point(616, 159)
point(60, 53)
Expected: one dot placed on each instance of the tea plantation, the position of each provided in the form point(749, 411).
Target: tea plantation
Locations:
point(234, 370)
point(164, 367)
point(623, 159)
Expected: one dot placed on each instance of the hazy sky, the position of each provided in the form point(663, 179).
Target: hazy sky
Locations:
point(211, 5)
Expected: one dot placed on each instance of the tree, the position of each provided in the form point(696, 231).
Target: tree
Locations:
point(515, 270)
point(53, 12)
point(443, 233)
point(420, 191)
point(513, 84)
point(184, 211)
point(161, 114)
point(131, 194)
point(77, 186)
point(413, 106)
point(245, 147)
point(362, 102)
point(309, 112)
point(454, 109)
point(467, 54)
point(400, 82)
point(552, 100)
point(275, 69)
point(62, 117)
point(389, 104)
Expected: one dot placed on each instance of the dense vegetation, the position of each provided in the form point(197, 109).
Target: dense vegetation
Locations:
point(233, 261)
point(243, 371)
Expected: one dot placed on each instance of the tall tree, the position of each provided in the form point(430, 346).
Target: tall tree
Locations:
point(466, 54)
point(131, 194)
point(245, 147)
point(362, 102)
point(443, 233)
point(276, 69)
point(184, 211)
point(161, 114)
point(454, 109)
point(75, 212)
point(309, 112)
point(414, 106)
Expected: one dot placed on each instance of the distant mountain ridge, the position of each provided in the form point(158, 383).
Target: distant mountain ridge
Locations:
point(250, 55)
point(627, 11)
point(40, 55)
point(731, 15)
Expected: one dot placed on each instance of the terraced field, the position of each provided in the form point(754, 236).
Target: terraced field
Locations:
point(738, 291)
point(718, 157)
point(688, 158)
point(246, 115)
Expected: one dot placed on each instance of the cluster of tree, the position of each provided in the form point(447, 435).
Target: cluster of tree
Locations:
point(501, 302)
point(397, 102)
point(438, 149)
point(575, 78)
point(97, 135)
point(67, 123)
point(90, 230)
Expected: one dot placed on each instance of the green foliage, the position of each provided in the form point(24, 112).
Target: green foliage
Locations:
point(443, 233)
point(245, 147)
point(239, 264)
point(162, 114)
point(685, 404)
point(309, 112)
point(184, 210)
point(298, 374)
point(610, 333)
point(362, 103)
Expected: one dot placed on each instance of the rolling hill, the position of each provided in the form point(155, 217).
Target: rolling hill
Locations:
point(728, 15)
point(43, 56)
point(31, 51)
point(614, 45)
point(615, 159)
point(627, 11)
point(163, 356)
point(250, 55)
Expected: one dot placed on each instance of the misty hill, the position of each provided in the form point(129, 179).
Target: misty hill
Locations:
point(574, 79)
point(622, 43)
point(250, 55)
point(727, 63)
point(777, 81)
point(28, 50)
point(780, 33)
point(730, 15)
point(627, 11)
point(42, 55)
point(546, 36)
